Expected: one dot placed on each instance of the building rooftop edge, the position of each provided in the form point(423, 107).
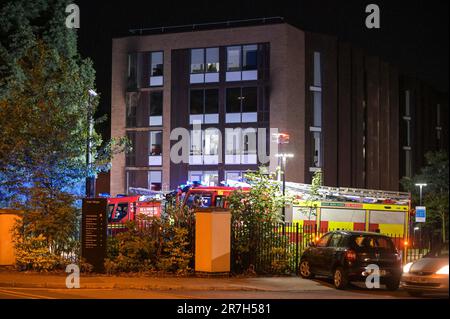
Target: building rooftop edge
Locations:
point(204, 26)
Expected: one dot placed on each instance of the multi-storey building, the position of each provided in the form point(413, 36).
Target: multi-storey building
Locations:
point(347, 113)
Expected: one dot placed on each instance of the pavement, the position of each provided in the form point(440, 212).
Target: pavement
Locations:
point(9, 278)
point(33, 285)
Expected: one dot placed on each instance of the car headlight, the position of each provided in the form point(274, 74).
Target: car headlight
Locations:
point(443, 271)
point(407, 267)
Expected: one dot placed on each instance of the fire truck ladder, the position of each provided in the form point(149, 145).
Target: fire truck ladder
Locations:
point(348, 192)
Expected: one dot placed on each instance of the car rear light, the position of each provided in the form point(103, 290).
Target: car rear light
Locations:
point(350, 255)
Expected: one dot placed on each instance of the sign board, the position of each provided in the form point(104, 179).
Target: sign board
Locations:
point(421, 214)
point(94, 231)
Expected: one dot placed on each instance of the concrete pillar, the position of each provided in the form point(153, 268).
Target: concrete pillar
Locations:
point(212, 240)
point(8, 218)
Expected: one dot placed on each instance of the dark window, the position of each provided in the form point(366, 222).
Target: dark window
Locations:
point(249, 100)
point(324, 240)
point(196, 103)
point(131, 109)
point(156, 60)
point(130, 157)
point(132, 74)
point(110, 211)
point(234, 100)
point(156, 103)
point(121, 211)
point(249, 57)
point(336, 240)
point(371, 242)
point(211, 101)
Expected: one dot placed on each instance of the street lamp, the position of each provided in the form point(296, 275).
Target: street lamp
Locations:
point(284, 157)
point(420, 185)
point(90, 180)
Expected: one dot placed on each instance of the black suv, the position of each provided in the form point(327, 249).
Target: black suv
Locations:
point(344, 256)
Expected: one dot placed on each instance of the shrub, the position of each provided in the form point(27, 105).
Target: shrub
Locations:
point(176, 255)
point(33, 253)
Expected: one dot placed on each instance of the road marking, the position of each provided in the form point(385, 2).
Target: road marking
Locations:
point(24, 295)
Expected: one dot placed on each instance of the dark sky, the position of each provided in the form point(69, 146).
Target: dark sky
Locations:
point(413, 34)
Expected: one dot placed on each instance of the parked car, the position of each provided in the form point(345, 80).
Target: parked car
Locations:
point(345, 256)
point(428, 274)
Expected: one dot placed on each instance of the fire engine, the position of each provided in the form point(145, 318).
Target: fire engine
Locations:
point(386, 212)
point(122, 209)
point(205, 196)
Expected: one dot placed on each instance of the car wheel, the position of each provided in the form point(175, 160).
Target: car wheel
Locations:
point(415, 293)
point(392, 284)
point(340, 278)
point(305, 270)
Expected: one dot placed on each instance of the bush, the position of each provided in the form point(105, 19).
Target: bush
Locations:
point(153, 244)
point(33, 253)
point(176, 256)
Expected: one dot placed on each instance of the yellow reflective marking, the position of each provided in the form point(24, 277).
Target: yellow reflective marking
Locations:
point(391, 229)
point(341, 225)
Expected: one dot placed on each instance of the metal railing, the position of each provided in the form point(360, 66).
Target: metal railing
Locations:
point(206, 25)
point(276, 248)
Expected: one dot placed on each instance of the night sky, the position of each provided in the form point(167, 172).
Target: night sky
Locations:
point(413, 34)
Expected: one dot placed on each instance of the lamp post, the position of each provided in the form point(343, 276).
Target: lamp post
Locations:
point(421, 186)
point(90, 180)
point(284, 157)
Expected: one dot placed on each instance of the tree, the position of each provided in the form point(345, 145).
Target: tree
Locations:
point(44, 103)
point(435, 194)
point(256, 214)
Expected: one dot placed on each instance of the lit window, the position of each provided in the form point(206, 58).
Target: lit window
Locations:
point(154, 180)
point(249, 57)
point(317, 149)
point(156, 68)
point(234, 58)
point(210, 178)
point(317, 70)
point(155, 143)
point(242, 63)
point(212, 60)
point(240, 146)
point(204, 65)
point(197, 61)
point(157, 64)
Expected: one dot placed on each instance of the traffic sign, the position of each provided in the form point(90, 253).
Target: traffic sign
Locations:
point(421, 214)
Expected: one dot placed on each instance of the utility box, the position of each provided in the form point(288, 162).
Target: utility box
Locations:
point(212, 240)
point(8, 218)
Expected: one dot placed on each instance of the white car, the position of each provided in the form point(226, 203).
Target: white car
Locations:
point(428, 274)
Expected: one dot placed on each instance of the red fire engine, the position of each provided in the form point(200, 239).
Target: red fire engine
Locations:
point(206, 196)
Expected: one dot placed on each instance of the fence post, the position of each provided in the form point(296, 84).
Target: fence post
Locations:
point(296, 248)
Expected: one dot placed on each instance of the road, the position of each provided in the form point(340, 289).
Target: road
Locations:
point(355, 292)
